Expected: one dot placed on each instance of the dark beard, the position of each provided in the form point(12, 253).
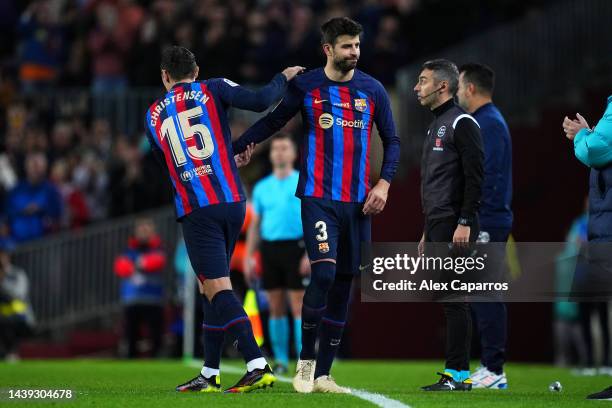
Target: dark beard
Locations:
point(345, 65)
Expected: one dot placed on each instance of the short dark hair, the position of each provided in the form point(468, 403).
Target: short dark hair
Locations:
point(337, 26)
point(482, 76)
point(178, 61)
point(444, 70)
point(283, 136)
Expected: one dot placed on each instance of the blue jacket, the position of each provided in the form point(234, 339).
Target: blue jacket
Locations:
point(495, 211)
point(27, 225)
point(594, 149)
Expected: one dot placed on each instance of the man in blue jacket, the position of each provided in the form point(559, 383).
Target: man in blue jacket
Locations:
point(34, 206)
point(593, 147)
point(476, 84)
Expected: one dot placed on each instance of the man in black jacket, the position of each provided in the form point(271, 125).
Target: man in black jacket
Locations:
point(451, 183)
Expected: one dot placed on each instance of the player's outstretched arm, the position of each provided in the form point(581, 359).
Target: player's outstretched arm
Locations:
point(261, 99)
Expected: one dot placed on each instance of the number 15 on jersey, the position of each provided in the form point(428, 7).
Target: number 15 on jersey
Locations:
point(187, 132)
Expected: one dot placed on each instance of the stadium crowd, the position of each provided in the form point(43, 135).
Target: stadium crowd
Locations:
point(89, 170)
point(71, 176)
point(115, 43)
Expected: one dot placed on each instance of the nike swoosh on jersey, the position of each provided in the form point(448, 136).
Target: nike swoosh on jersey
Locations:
point(317, 101)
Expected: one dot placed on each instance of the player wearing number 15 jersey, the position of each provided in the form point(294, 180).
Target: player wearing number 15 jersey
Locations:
point(188, 131)
point(339, 105)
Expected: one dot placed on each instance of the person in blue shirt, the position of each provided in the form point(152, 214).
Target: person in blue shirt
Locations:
point(33, 206)
point(476, 85)
point(277, 228)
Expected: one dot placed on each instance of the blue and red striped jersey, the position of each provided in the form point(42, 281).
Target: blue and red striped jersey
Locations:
point(188, 130)
point(337, 118)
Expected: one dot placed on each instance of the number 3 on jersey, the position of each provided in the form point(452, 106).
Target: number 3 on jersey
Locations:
point(168, 129)
point(321, 226)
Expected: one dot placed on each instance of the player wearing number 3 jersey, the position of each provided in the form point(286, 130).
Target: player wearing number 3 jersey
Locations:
point(188, 131)
point(339, 105)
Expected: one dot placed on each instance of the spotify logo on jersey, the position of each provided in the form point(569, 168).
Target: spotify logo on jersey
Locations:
point(326, 121)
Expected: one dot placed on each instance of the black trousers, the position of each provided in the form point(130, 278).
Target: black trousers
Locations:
point(458, 314)
point(586, 309)
point(12, 330)
point(142, 314)
point(491, 317)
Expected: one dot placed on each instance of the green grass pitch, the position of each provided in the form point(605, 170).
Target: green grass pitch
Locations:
point(109, 383)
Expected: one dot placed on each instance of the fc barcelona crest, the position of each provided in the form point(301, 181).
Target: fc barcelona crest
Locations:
point(361, 105)
point(323, 247)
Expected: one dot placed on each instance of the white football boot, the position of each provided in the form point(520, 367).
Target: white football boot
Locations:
point(326, 383)
point(304, 376)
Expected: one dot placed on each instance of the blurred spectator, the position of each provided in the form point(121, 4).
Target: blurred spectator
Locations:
point(15, 125)
point(6, 241)
point(34, 206)
point(215, 46)
point(140, 267)
point(101, 138)
point(76, 214)
point(90, 176)
point(42, 46)
point(255, 50)
point(303, 40)
point(146, 54)
point(34, 140)
point(387, 51)
point(158, 190)
point(135, 182)
point(109, 44)
point(8, 178)
point(16, 317)
point(126, 182)
point(62, 141)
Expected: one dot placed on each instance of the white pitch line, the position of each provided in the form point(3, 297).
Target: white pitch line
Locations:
point(377, 399)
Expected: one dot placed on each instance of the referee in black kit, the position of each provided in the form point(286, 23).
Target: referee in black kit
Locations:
point(451, 184)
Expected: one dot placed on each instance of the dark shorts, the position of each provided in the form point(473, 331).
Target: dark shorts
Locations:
point(210, 236)
point(335, 230)
point(281, 264)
